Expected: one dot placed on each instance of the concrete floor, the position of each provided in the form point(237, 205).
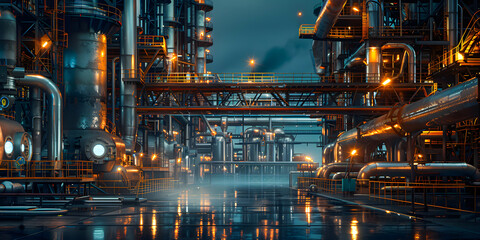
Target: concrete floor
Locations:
point(230, 213)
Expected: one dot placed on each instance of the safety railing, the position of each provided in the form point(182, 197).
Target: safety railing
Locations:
point(306, 30)
point(149, 186)
point(323, 185)
point(259, 77)
point(345, 32)
point(205, 38)
point(116, 186)
point(447, 58)
point(66, 169)
point(454, 195)
point(151, 41)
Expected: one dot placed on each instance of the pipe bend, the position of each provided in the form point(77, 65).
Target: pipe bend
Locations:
point(55, 122)
point(412, 58)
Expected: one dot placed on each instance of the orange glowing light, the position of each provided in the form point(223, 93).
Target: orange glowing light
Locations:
point(252, 61)
point(207, 50)
point(208, 19)
point(300, 14)
point(386, 82)
point(354, 152)
point(355, 9)
point(45, 44)
point(154, 156)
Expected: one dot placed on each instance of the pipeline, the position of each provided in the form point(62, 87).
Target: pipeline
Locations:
point(327, 170)
point(450, 106)
point(55, 120)
point(265, 121)
point(404, 169)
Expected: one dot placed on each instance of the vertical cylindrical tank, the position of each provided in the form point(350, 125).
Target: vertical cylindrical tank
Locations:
point(270, 146)
point(8, 39)
point(219, 148)
point(85, 73)
point(253, 137)
point(285, 148)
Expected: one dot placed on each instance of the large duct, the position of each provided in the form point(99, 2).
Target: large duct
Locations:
point(55, 114)
point(450, 106)
point(128, 84)
point(412, 58)
point(325, 21)
point(429, 169)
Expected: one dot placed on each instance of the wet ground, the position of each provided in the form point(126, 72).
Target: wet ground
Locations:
point(230, 213)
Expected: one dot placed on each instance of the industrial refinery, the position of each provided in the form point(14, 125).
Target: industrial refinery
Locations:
point(360, 122)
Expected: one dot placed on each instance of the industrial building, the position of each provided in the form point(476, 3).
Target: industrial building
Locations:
point(112, 125)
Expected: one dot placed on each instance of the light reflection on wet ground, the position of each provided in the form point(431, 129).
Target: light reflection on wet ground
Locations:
point(230, 213)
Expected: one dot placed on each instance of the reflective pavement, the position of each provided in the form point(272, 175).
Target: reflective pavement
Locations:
point(230, 213)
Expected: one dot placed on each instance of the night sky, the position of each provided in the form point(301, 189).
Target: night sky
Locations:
point(266, 30)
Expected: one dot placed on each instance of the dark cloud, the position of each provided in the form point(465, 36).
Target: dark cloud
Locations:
point(276, 57)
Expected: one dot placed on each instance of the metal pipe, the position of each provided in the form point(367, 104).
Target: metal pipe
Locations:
point(36, 101)
point(128, 87)
point(325, 21)
point(412, 58)
point(452, 26)
point(403, 169)
point(114, 77)
point(353, 59)
point(55, 121)
point(450, 106)
point(329, 169)
point(327, 17)
point(264, 121)
point(170, 17)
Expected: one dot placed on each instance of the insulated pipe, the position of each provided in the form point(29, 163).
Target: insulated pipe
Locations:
point(55, 121)
point(327, 17)
point(450, 106)
point(36, 102)
point(128, 87)
point(412, 58)
point(327, 170)
point(404, 169)
point(325, 21)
